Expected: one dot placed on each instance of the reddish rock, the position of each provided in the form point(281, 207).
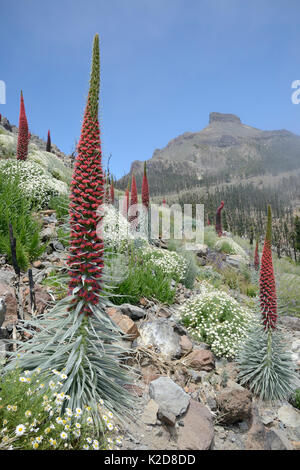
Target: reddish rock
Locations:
point(235, 405)
point(37, 264)
point(124, 323)
point(41, 298)
point(164, 313)
point(150, 373)
point(8, 294)
point(200, 359)
point(198, 430)
point(185, 344)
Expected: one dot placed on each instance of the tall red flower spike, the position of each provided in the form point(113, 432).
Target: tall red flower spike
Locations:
point(268, 299)
point(256, 257)
point(48, 145)
point(22, 148)
point(86, 250)
point(145, 189)
point(219, 220)
point(112, 191)
point(133, 201)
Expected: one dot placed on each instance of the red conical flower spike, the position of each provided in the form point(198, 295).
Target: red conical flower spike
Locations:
point(145, 189)
point(268, 299)
point(219, 220)
point(48, 145)
point(22, 148)
point(86, 250)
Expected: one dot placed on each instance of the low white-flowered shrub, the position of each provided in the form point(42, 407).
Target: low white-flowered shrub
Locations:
point(114, 228)
point(171, 263)
point(35, 182)
point(216, 318)
point(229, 246)
point(36, 416)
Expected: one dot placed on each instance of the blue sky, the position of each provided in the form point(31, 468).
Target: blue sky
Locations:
point(165, 65)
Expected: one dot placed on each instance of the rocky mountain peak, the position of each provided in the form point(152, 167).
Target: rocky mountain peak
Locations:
point(220, 117)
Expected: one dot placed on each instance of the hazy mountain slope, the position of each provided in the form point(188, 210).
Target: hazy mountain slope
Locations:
point(221, 152)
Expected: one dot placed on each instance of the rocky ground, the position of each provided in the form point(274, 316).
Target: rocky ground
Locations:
point(186, 397)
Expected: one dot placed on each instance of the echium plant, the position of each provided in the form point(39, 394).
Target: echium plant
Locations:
point(23, 135)
point(77, 337)
point(48, 145)
point(145, 213)
point(145, 188)
point(219, 220)
point(264, 364)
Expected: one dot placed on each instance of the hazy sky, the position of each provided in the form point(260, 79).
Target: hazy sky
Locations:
point(165, 65)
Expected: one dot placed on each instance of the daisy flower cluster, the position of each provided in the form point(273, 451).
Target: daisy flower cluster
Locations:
point(219, 320)
point(35, 415)
point(169, 262)
point(114, 228)
point(35, 182)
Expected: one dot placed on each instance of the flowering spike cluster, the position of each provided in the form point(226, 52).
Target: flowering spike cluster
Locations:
point(219, 220)
point(23, 137)
point(112, 191)
point(48, 145)
point(268, 299)
point(86, 250)
point(145, 189)
point(256, 256)
point(0, 118)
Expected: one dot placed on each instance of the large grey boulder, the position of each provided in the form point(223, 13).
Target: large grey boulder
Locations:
point(169, 395)
point(160, 334)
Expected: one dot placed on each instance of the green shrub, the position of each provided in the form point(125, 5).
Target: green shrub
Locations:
point(33, 415)
point(210, 237)
point(18, 210)
point(230, 247)
point(296, 399)
point(144, 280)
point(191, 271)
point(60, 204)
point(217, 319)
